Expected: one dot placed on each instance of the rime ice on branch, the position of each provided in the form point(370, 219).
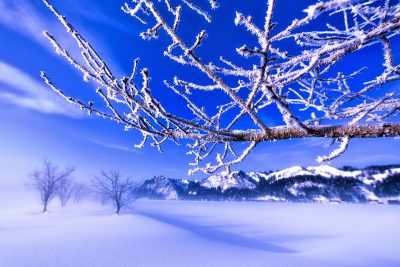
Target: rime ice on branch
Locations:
point(313, 98)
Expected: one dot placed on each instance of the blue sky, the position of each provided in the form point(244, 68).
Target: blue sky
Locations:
point(37, 124)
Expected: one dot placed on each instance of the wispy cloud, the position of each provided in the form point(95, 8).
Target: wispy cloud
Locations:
point(19, 88)
point(16, 86)
point(23, 17)
point(27, 19)
point(115, 146)
point(92, 11)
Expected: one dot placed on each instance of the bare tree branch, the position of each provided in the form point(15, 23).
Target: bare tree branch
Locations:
point(112, 187)
point(49, 181)
point(301, 82)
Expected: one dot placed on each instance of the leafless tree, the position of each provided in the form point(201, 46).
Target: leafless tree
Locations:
point(48, 181)
point(302, 81)
point(112, 187)
point(79, 191)
point(65, 191)
point(69, 189)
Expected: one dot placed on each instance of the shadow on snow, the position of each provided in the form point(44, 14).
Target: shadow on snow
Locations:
point(215, 234)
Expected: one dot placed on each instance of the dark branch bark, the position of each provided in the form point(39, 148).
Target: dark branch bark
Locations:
point(328, 131)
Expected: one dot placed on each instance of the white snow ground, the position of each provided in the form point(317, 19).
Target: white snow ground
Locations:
point(178, 233)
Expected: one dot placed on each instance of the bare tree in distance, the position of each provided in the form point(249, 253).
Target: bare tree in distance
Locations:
point(302, 82)
point(79, 190)
point(48, 181)
point(112, 187)
point(70, 190)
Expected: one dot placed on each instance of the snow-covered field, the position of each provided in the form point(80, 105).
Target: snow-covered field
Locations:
point(174, 233)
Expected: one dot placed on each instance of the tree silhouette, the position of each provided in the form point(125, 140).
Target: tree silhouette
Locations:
point(48, 181)
point(112, 187)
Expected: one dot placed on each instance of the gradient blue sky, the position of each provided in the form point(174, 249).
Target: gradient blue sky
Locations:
point(37, 124)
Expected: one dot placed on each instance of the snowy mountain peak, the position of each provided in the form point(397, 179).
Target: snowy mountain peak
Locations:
point(289, 172)
point(323, 170)
point(329, 171)
point(237, 179)
point(374, 184)
point(160, 186)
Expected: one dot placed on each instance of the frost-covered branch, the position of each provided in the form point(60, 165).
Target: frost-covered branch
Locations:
point(302, 82)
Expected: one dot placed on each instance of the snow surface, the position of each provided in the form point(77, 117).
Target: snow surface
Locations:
point(179, 233)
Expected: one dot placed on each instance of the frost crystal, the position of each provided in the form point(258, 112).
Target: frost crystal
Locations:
point(299, 82)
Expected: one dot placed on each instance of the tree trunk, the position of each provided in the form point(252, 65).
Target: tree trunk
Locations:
point(44, 207)
point(63, 202)
point(118, 209)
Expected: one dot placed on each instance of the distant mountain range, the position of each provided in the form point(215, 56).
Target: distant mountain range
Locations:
point(373, 184)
